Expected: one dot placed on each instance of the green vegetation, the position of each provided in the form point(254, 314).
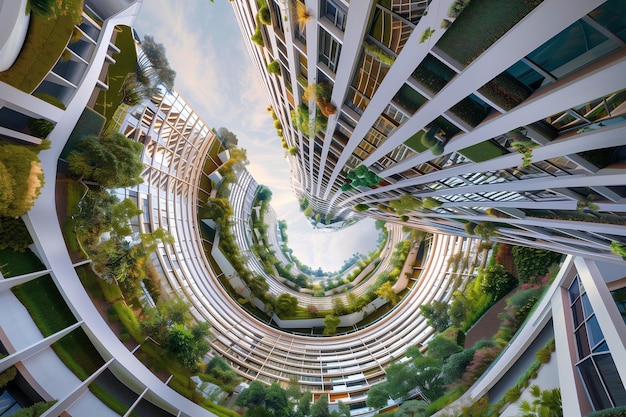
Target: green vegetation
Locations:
point(21, 179)
point(480, 24)
point(300, 119)
point(49, 32)
point(89, 123)
point(13, 234)
point(483, 151)
point(428, 32)
point(111, 161)
point(125, 63)
point(409, 98)
point(361, 176)
point(505, 90)
point(273, 67)
point(415, 142)
point(379, 53)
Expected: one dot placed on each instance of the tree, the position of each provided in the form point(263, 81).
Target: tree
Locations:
point(454, 367)
point(496, 281)
point(546, 403)
point(21, 179)
point(436, 314)
point(188, 344)
point(112, 161)
point(344, 410)
point(330, 324)
point(401, 379)
point(304, 403)
point(276, 400)
point(339, 307)
point(428, 377)
point(411, 408)
point(441, 347)
point(153, 66)
point(253, 396)
point(388, 293)
point(286, 305)
point(293, 390)
point(377, 396)
point(320, 408)
point(228, 138)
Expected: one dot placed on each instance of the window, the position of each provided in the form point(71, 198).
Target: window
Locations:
point(334, 13)
point(330, 49)
point(595, 363)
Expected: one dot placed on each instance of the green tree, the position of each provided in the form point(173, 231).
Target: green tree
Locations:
point(286, 305)
point(188, 344)
point(428, 377)
point(153, 67)
point(14, 234)
point(338, 307)
point(253, 396)
point(320, 408)
point(387, 292)
point(496, 281)
point(228, 138)
point(545, 403)
point(276, 400)
point(454, 367)
point(377, 396)
point(401, 379)
point(330, 324)
point(304, 403)
point(436, 314)
point(343, 411)
point(411, 408)
point(112, 161)
point(441, 347)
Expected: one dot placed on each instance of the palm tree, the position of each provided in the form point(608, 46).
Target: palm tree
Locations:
point(546, 403)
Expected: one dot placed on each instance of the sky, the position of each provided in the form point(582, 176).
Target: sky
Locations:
point(216, 77)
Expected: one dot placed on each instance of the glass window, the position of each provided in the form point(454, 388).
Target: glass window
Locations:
point(611, 378)
point(612, 15)
point(576, 40)
point(330, 49)
point(336, 14)
point(593, 384)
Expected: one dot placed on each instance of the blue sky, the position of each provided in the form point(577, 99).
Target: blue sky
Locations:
point(216, 76)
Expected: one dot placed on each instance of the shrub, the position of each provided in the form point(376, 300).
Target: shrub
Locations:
point(429, 140)
point(8, 376)
point(40, 128)
point(480, 362)
point(533, 262)
point(543, 355)
point(469, 228)
point(14, 234)
point(274, 68)
point(437, 148)
point(426, 34)
point(361, 207)
point(609, 412)
point(431, 203)
point(379, 53)
point(618, 249)
point(265, 16)
point(496, 281)
point(257, 38)
point(454, 368)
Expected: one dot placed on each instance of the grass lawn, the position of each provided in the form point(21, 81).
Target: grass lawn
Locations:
point(409, 98)
point(126, 62)
point(44, 44)
point(415, 142)
point(18, 263)
point(483, 151)
point(481, 23)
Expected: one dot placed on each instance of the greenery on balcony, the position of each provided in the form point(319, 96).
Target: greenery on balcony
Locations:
point(300, 118)
point(483, 151)
point(469, 111)
point(125, 63)
point(48, 34)
point(481, 23)
point(433, 74)
point(321, 93)
point(415, 142)
point(505, 91)
point(409, 99)
point(361, 176)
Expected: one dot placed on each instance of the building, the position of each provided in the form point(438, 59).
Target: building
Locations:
point(400, 93)
point(518, 124)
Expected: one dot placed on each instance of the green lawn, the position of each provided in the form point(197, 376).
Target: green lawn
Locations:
point(44, 44)
point(481, 23)
point(126, 62)
point(18, 263)
point(409, 98)
point(415, 142)
point(483, 151)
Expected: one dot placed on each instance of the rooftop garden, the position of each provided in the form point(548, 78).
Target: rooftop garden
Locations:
point(483, 151)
